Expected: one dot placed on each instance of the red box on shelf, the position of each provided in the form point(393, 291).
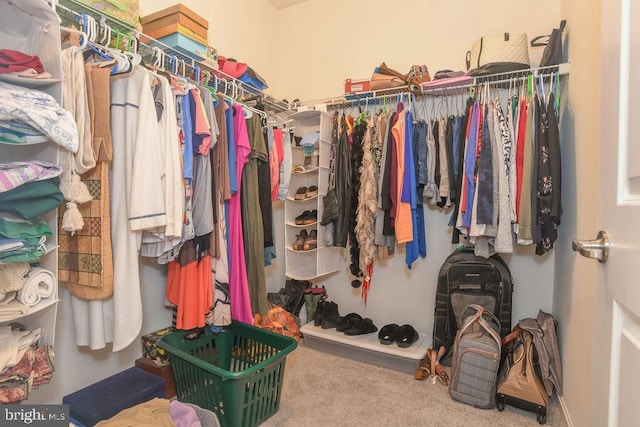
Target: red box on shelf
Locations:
point(357, 85)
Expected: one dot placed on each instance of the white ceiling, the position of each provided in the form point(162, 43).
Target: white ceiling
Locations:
point(281, 4)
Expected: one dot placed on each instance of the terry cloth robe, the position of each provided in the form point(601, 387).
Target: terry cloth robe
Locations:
point(135, 206)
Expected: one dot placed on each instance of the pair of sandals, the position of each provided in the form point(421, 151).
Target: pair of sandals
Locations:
point(404, 335)
point(307, 217)
point(430, 366)
point(306, 241)
point(304, 193)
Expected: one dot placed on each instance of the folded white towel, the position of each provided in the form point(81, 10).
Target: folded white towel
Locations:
point(39, 283)
point(12, 311)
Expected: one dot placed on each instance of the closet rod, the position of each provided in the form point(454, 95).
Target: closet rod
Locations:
point(77, 9)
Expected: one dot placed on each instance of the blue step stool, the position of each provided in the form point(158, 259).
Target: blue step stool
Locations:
point(106, 398)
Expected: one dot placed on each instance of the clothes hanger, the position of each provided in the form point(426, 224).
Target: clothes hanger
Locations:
point(84, 39)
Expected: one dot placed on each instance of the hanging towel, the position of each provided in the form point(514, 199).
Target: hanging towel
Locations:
point(39, 283)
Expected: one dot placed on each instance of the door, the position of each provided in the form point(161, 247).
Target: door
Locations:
point(620, 212)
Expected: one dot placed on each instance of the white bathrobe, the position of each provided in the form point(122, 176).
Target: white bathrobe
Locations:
point(137, 204)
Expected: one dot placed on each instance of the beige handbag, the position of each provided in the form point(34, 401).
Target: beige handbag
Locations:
point(519, 382)
point(512, 48)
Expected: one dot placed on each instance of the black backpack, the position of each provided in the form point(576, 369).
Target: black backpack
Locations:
point(464, 279)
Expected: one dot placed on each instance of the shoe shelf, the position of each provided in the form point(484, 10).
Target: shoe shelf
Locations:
point(301, 226)
point(367, 348)
point(293, 199)
point(323, 260)
point(312, 170)
point(302, 250)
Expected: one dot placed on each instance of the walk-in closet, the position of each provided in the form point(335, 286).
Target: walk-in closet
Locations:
point(317, 212)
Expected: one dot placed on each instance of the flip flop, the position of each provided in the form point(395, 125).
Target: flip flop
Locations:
point(387, 334)
point(406, 336)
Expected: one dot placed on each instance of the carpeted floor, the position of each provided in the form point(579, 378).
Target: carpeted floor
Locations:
point(321, 389)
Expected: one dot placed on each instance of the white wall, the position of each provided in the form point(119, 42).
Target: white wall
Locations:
point(576, 277)
point(323, 42)
point(334, 40)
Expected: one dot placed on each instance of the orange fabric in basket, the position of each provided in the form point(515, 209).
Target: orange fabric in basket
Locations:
point(280, 321)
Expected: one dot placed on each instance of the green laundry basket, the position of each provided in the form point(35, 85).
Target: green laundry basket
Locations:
point(236, 373)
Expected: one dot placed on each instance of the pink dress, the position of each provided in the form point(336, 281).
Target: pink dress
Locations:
point(238, 283)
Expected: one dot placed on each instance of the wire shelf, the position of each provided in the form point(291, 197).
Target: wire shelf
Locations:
point(362, 98)
point(74, 12)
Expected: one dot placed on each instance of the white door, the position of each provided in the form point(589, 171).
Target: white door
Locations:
point(619, 215)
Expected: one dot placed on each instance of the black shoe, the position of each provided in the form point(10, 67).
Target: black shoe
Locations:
point(406, 336)
point(319, 314)
point(365, 327)
point(388, 333)
point(330, 316)
point(349, 321)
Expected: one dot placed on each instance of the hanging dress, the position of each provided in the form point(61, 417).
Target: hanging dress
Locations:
point(238, 282)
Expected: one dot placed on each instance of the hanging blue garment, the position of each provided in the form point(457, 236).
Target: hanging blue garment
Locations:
point(409, 190)
point(485, 188)
point(420, 162)
point(231, 143)
point(470, 165)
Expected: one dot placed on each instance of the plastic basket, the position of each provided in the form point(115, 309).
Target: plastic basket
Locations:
point(236, 373)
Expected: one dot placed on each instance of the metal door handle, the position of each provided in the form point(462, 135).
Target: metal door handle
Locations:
point(597, 249)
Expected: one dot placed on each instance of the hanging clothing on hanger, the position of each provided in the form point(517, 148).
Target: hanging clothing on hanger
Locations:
point(525, 236)
point(252, 222)
point(367, 205)
point(238, 281)
point(549, 176)
point(86, 257)
point(343, 186)
point(502, 146)
point(137, 179)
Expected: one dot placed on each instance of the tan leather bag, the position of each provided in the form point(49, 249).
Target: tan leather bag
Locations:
point(518, 377)
point(384, 81)
point(386, 78)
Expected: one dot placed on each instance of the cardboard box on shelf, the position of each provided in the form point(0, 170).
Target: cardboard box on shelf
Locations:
point(177, 14)
point(171, 29)
point(357, 85)
point(184, 45)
